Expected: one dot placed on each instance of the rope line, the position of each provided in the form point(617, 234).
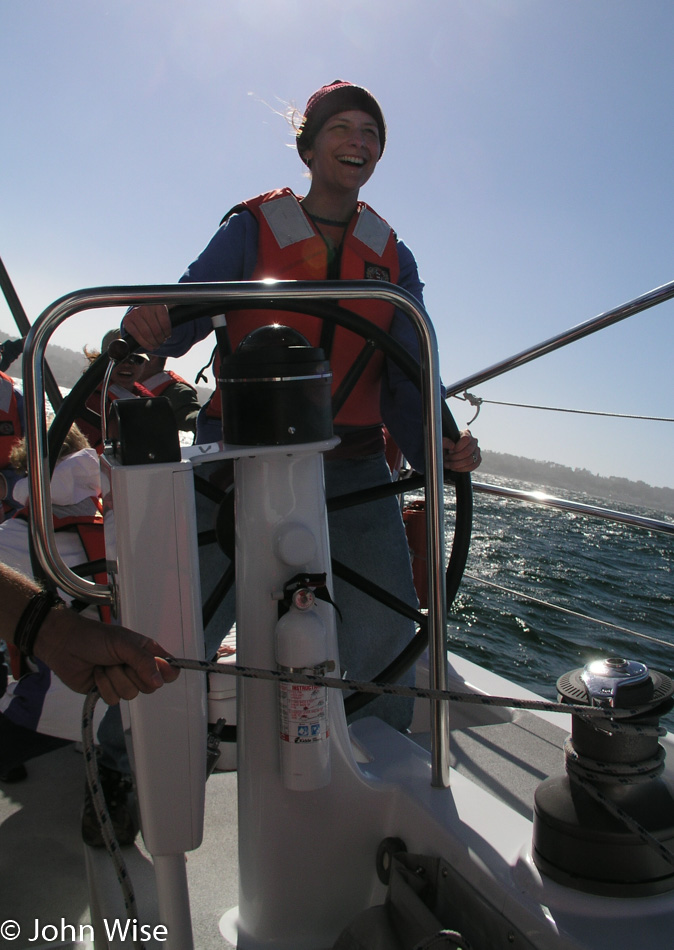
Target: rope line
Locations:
point(594, 714)
point(600, 718)
point(622, 773)
point(587, 772)
point(104, 820)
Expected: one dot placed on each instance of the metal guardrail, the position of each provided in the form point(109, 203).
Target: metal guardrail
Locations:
point(600, 322)
point(563, 504)
point(228, 295)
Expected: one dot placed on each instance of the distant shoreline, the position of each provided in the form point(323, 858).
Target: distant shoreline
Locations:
point(550, 475)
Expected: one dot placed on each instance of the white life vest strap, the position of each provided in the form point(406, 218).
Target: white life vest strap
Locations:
point(286, 220)
point(372, 231)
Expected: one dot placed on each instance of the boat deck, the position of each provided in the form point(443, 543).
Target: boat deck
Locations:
point(42, 858)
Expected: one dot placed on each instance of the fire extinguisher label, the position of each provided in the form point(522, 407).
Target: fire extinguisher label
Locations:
point(303, 712)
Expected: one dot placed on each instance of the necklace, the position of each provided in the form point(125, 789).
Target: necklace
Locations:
point(327, 221)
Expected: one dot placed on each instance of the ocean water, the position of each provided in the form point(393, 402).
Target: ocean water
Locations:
point(611, 572)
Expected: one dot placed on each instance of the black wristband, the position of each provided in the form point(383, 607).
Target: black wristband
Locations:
point(32, 618)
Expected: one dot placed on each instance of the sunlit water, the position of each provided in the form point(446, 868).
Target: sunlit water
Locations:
point(608, 571)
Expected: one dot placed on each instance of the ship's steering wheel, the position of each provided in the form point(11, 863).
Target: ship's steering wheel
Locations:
point(375, 338)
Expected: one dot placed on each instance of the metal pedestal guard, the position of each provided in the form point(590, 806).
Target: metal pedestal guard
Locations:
point(229, 294)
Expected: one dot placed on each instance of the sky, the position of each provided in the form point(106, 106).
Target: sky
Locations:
point(528, 166)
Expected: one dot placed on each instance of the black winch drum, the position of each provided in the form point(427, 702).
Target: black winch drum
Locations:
point(576, 840)
point(276, 390)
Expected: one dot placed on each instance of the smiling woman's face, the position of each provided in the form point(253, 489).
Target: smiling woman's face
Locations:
point(128, 372)
point(345, 151)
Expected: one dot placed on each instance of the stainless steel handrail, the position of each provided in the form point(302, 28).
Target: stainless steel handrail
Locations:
point(600, 322)
point(563, 504)
point(227, 294)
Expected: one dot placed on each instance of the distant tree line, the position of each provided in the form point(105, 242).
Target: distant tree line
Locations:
point(66, 365)
point(552, 477)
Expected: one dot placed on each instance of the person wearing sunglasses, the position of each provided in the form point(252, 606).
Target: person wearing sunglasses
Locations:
point(124, 384)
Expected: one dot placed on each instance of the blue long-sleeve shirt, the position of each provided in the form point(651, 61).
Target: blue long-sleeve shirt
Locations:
point(231, 255)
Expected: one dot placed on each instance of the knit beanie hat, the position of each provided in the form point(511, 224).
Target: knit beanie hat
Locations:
point(337, 96)
point(111, 335)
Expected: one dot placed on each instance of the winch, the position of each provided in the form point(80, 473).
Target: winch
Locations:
point(589, 824)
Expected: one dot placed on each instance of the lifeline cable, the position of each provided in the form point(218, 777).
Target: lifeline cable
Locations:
point(478, 402)
point(567, 610)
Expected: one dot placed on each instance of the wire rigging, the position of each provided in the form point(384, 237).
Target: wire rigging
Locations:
point(567, 610)
point(478, 402)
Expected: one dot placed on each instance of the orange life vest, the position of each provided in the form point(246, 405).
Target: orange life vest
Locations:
point(90, 530)
point(89, 527)
point(10, 420)
point(291, 248)
point(161, 381)
point(10, 428)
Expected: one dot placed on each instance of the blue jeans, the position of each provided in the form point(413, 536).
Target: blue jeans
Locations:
point(112, 751)
point(370, 539)
point(213, 562)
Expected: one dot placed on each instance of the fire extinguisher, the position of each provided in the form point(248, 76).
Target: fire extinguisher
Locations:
point(302, 647)
point(414, 517)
